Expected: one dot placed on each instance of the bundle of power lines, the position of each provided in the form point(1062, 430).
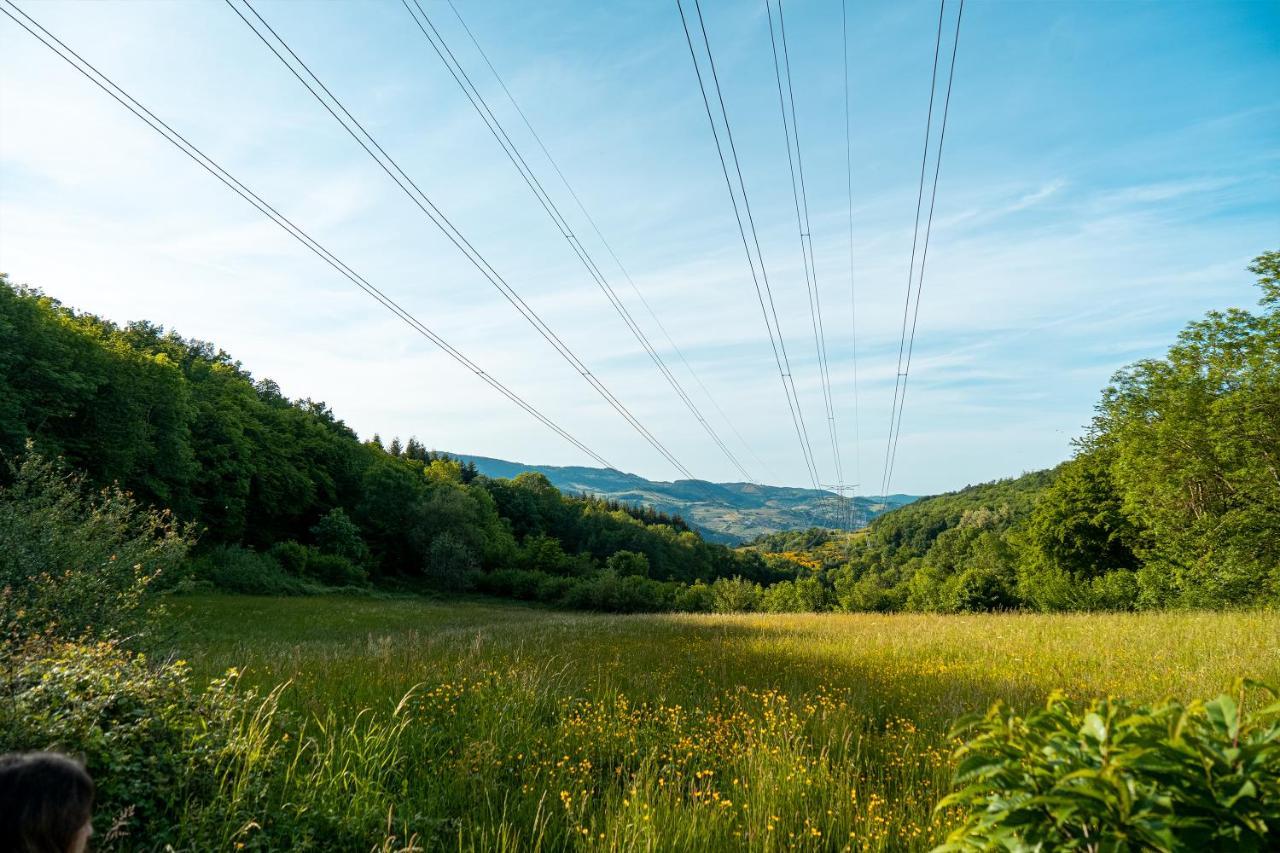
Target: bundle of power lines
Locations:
point(708, 81)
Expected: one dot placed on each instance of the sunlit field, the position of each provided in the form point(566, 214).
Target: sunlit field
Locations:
point(469, 725)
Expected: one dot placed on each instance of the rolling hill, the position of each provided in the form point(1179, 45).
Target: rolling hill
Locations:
point(723, 512)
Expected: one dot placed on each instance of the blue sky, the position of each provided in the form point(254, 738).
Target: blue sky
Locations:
point(1109, 170)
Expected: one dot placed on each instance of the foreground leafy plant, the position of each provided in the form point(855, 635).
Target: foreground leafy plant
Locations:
point(75, 563)
point(1113, 776)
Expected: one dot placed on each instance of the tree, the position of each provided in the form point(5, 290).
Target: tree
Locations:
point(1195, 443)
point(337, 534)
point(627, 563)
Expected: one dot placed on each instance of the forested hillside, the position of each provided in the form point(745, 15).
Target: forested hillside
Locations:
point(1172, 499)
point(280, 493)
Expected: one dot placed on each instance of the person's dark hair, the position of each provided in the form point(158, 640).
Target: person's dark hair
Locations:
point(45, 800)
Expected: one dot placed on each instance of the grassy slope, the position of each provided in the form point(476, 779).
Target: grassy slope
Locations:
point(632, 732)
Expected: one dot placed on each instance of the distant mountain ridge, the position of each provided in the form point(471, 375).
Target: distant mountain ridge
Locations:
point(723, 512)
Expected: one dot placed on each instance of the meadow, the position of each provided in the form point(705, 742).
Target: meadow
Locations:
point(420, 724)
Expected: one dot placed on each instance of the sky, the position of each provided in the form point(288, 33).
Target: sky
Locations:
point(1109, 169)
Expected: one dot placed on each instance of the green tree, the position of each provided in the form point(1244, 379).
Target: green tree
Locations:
point(626, 563)
point(1195, 443)
point(335, 533)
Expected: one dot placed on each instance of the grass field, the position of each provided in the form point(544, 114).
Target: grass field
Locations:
point(470, 725)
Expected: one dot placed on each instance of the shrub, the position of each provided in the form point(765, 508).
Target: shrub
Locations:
point(811, 595)
point(552, 589)
point(237, 569)
point(609, 592)
point(507, 582)
point(1116, 590)
point(694, 598)
point(334, 569)
point(735, 595)
point(978, 590)
point(161, 753)
point(1111, 776)
point(302, 561)
point(628, 563)
point(780, 598)
point(77, 563)
point(291, 557)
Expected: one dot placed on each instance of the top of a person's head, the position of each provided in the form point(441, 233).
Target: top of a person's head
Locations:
point(46, 802)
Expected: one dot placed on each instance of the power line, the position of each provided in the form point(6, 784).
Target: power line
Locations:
point(460, 76)
point(801, 199)
point(853, 293)
point(895, 426)
point(442, 222)
point(777, 342)
point(208, 164)
point(600, 236)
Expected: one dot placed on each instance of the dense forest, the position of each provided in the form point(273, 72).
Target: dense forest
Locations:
point(280, 495)
point(1172, 499)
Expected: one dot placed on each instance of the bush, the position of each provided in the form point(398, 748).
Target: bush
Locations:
point(334, 570)
point(302, 561)
point(628, 563)
point(979, 590)
point(1116, 590)
point(237, 569)
point(552, 589)
point(506, 583)
point(1112, 776)
point(291, 557)
point(160, 752)
point(735, 595)
point(780, 598)
point(76, 563)
point(694, 598)
point(613, 594)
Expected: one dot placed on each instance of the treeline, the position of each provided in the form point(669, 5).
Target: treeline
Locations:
point(1172, 498)
point(282, 495)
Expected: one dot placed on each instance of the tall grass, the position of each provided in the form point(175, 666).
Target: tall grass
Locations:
point(409, 725)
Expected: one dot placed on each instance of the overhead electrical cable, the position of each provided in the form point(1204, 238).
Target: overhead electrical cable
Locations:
point(904, 365)
point(460, 76)
point(775, 331)
point(364, 139)
point(795, 165)
point(600, 236)
point(181, 143)
point(853, 292)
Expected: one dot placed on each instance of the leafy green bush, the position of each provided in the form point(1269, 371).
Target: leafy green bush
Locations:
point(76, 563)
point(291, 556)
point(511, 583)
point(236, 569)
point(161, 754)
point(735, 595)
point(628, 563)
point(553, 588)
point(334, 569)
point(694, 598)
point(302, 561)
point(1112, 776)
